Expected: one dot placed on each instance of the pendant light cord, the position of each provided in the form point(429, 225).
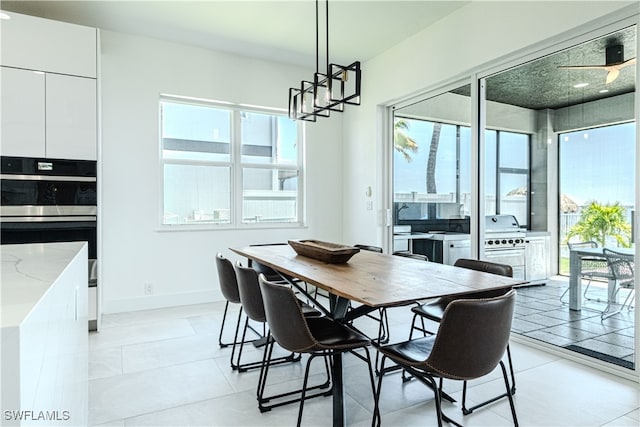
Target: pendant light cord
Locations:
point(327, 34)
point(317, 38)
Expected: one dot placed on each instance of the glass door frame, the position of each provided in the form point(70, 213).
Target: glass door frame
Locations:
point(477, 79)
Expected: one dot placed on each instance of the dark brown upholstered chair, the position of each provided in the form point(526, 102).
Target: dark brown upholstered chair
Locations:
point(229, 287)
point(434, 309)
point(590, 267)
point(251, 298)
point(370, 248)
point(622, 268)
point(470, 342)
point(405, 254)
point(316, 336)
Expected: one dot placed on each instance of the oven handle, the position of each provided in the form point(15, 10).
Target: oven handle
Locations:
point(506, 251)
point(47, 178)
point(48, 219)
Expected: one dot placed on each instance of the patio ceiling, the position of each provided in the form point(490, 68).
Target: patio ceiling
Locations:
point(540, 84)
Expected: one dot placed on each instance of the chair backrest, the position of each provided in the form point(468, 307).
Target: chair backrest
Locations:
point(250, 294)
point(621, 265)
point(284, 316)
point(261, 268)
point(485, 266)
point(369, 248)
point(419, 257)
point(227, 279)
point(472, 337)
point(582, 245)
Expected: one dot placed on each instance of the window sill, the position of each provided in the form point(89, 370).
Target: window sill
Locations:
point(228, 227)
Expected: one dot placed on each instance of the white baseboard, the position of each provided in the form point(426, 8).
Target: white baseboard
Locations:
point(149, 302)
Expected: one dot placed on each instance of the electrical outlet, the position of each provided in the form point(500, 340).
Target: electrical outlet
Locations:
point(148, 289)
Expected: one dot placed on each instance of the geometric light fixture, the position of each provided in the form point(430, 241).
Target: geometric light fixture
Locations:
point(328, 91)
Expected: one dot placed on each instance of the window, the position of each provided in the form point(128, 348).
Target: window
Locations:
point(224, 165)
point(433, 181)
point(507, 174)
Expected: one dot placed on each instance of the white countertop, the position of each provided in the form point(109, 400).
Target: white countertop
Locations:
point(28, 271)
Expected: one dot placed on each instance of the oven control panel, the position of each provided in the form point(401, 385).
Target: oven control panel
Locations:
point(504, 242)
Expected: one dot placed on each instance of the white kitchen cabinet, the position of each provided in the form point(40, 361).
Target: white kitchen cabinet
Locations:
point(48, 115)
point(537, 263)
point(42, 44)
point(71, 117)
point(22, 94)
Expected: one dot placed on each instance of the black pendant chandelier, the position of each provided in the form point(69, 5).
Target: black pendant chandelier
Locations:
point(328, 91)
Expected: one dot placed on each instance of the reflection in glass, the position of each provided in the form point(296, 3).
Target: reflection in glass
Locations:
point(267, 138)
point(431, 160)
point(269, 195)
point(190, 197)
point(195, 132)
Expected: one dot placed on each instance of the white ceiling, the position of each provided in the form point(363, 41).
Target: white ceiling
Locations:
point(276, 30)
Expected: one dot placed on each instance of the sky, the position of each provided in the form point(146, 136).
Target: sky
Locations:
point(597, 167)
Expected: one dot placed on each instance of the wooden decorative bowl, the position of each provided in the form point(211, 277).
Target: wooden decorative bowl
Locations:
point(331, 253)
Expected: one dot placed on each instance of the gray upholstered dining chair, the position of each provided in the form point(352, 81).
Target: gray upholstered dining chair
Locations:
point(470, 343)
point(622, 268)
point(434, 310)
point(315, 336)
point(229, 288)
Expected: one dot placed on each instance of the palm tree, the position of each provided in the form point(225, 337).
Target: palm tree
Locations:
point(597, 222)
point(402, 142)
point(431, 160)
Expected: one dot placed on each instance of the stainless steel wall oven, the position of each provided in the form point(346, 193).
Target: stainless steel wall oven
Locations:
point(51, 200)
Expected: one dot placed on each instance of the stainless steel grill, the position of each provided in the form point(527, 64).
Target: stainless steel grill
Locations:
point(504, 242)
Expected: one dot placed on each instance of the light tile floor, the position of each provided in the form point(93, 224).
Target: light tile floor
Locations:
point(164, 368)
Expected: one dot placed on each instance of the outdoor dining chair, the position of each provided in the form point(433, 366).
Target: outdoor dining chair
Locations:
point(622, 267)
point(590, 267)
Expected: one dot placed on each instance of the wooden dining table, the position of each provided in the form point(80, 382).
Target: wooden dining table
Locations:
point(374, 280)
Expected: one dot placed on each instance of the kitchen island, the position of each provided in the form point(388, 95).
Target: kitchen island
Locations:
point(44, 338)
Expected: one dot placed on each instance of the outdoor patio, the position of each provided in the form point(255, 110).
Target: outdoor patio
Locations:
point(541, 315)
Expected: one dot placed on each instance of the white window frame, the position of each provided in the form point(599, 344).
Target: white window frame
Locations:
point(235, 166)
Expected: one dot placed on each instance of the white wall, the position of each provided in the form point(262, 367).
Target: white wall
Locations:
point(454, 46)
point(180, 264)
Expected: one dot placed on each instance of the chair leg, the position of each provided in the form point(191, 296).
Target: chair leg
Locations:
point(437, 399)
point(512, 390)
point(304, 389)
point(371, 378)
point(511, 370)
point(244, 335)
point(509, 394)
point(235, 340)
point(224, 318)
point(377, 419)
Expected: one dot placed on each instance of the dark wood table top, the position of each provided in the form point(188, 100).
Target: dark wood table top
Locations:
point(377, 280)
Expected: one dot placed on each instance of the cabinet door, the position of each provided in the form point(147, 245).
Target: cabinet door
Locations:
point(35, 43)
point(537, 260)
point(22, 112)
point(71, 117)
